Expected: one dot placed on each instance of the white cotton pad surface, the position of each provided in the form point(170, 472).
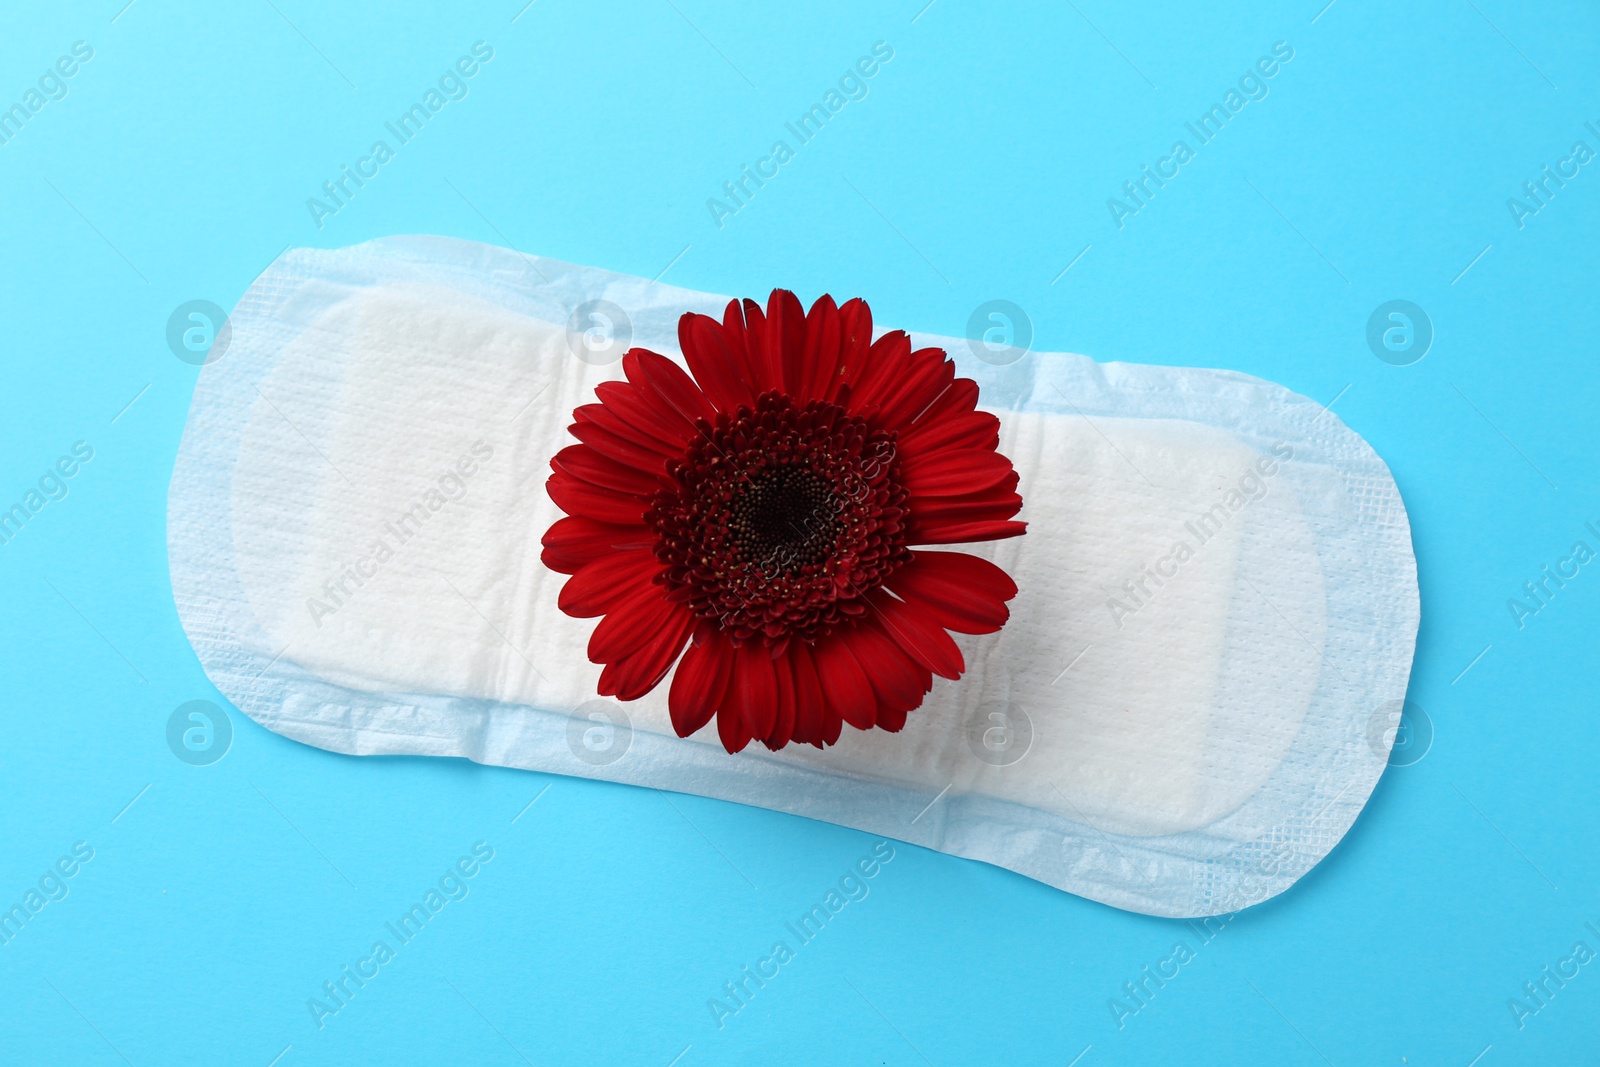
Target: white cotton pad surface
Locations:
point(1191, 703)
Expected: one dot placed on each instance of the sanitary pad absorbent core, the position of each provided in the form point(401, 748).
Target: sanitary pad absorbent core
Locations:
point(1193, 698)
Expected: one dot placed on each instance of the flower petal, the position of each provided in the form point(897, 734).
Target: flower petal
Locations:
point(872, 377)
point(892, 720)
point(658, 377)
point(753, 694)
point(573, 541)
point(783, 343)
point(832, 727)
point(971, 429)
point(819, 364)
point(607, 582)
point(960, 592)
point(600, 430)
point(631, 624)
point(925, 641)
point(810, 708)
point(929, 376)
point(643, 411)
point(855, 341)
point(960, 399)
point(754, 334)
point(732, 731)
point(590, 465)
point(635, 674)
point(713, 362)
point(845, 684)
point(700, 681)
point(896, 677)
point(591, 501)
point(960, 533)
point(784, 721)
point(741, 342)
point(953, 473)
point(990, 504)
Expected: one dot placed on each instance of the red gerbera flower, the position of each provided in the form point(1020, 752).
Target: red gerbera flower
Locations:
point(763, 513)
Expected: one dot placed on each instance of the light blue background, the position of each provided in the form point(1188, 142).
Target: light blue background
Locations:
point(978, 167)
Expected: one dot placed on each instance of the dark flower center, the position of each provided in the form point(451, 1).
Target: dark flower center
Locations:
point(781, 520)
point(785, 518)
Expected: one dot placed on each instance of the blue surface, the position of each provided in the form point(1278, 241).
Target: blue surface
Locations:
point(220, 898)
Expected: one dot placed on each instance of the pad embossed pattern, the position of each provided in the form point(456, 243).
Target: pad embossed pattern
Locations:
point(1174, 731)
